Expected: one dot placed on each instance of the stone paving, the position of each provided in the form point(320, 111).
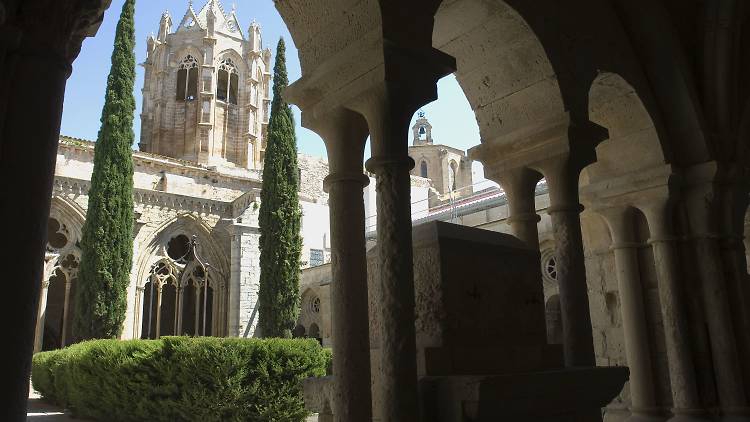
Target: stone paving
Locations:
point(39, 410)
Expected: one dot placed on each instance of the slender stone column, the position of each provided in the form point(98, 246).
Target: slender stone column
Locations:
point(138, 312)
point(686, 404)
point(637, 350)
point(701, 210)
point(520, 190)
point(562, 182)
point(388, 110)
point(66, 311)
point(180, 313)
point(158, 309)
point(39, 332)
point(345, 133)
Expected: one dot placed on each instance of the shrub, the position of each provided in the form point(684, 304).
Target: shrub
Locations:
point(181, 378)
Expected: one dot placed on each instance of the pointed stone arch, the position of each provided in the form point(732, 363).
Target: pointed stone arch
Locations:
point(153, 244)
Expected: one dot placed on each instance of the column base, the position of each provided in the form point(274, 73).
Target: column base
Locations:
point(690, 415)
point(646, 415)
point(735, 414)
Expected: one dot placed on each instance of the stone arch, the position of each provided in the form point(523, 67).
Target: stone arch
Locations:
point(239, 62)
point(503, 68)
point(633, 143)
point(423, 168)
point(70, 213)
point(313, 331)
point(187, 50)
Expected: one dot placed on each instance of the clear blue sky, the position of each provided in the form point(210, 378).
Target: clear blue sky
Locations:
point(452, 118)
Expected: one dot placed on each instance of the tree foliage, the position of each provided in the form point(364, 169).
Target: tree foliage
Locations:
point(107, 239)
point(279, 216)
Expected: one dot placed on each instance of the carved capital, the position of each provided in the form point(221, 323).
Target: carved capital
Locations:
point(53, 27)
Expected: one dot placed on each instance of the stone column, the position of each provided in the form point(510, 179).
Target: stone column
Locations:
point(66, 311)
point(158, 309)
point(686, 404)
point(138, 312)
point(519, 185)
point(701, 210)
point(38, 42)
point(345, 133)
point(637, 351)
point(388, 109)
point(562, 182)
point(39, 331)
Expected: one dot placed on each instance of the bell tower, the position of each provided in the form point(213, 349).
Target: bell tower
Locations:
point(422, 130)
point(206, 89)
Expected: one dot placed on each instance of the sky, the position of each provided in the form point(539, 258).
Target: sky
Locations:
point(451, 116)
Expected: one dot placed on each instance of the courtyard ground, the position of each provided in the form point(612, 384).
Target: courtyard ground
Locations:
point(39, 410)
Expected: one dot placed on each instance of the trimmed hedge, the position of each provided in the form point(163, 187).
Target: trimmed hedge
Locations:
point(181, 378)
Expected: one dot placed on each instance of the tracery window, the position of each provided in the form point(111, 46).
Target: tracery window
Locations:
point(227, 86)
point(178, 298)
point(61, 272)
point(187, 79)
point(549, 266)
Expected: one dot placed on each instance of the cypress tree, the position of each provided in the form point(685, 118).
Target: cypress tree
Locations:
point(279, 216)
point(107, 239)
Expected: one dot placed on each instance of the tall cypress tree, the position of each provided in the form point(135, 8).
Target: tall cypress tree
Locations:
point(279, 216)
point(107, 240)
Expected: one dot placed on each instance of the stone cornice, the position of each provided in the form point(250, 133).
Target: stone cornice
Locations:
point(70, 186)
point(149, 159)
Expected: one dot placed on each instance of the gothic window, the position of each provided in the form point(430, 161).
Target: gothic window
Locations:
point(316, 257)
point(227, 86)
point(178, 297)
point(549, 266)
point(187, 79)
point(423, 169)
point(315, 305)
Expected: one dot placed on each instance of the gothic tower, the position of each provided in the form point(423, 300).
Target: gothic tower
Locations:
point(448, 168)
point(206, 89)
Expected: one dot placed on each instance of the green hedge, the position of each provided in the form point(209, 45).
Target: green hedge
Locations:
point(181, 378)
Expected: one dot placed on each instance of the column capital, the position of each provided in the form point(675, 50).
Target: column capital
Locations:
point(541, 145)
point(344, 133)
point(620, 222)
point(343, 177)
point(52, 28)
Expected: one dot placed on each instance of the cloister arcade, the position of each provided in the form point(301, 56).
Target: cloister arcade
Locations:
point(626, 107)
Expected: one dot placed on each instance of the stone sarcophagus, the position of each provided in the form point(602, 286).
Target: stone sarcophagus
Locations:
point(482, 352)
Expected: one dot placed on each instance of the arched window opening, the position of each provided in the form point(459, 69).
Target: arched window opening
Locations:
point(452, 171)
point(423, 169)
point(422, 133)
point(58, 313)
point(314, 332)
point(160, 298)
point(187, 79)
point(299, 331)
point(196, 312)
point(227, 87)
